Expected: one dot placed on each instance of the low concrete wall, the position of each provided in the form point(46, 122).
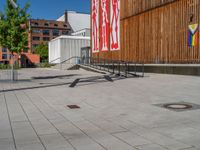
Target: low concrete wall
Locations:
point(179, 69)
point(190, 69)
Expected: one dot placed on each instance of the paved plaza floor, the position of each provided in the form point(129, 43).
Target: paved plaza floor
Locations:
point(123, 114)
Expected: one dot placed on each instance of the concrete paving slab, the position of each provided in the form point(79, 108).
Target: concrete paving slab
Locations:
point(83, 142)
point(30, 145)
point(100, 136)
point(132, 139)
point(56, 142)
point(118, 115)
point(151, 147)
point(7, 144)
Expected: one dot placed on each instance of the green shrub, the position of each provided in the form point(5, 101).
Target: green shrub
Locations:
point(4, 66)
point(45, 65)
point(7, 66)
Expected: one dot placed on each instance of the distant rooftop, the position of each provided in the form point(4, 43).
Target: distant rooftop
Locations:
point(77, 20)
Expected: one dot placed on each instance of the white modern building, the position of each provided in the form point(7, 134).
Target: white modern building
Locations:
point(83, 32)
point(78, 21)
point(64, 48)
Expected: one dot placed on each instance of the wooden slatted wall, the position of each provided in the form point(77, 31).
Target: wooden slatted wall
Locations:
point(156, 31)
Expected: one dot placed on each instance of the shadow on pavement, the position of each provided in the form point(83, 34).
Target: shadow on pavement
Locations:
point(53, 77)
point(87, 81)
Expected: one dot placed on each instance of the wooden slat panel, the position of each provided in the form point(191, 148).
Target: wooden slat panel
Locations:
point(132, 7)
point(159, 35)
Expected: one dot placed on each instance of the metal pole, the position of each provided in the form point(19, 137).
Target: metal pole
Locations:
point(143, 70)
point(108, 65)
point(60, 65)
point(100, 63)
point(128, 68)
point(104, 64)
point(119, 68)
point(125, 69)
point(12, 67)
point(113, 67)
point(14, 5)
point(135, 69)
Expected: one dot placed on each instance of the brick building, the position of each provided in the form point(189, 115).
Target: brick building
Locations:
point(39, 31)
point(4, 55)
point(45, 30)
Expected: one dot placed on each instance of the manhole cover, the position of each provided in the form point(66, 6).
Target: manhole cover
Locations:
point(178, 106)
point(73, 106)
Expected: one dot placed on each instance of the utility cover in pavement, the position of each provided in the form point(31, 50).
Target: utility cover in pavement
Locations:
point(73, 106)
point(179, 106)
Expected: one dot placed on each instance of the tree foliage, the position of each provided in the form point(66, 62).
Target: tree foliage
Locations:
point(12, 35)
point(42, 50)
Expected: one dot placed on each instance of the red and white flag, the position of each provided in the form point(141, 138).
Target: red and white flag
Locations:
point(104, 25)
point(95, 26)
point(115, 25)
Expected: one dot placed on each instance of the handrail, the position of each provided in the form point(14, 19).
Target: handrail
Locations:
point(118, 67)
point(54, 60)
point(122, 67)
point(69, 59)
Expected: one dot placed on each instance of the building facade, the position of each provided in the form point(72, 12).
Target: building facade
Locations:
point(83, 32)
point(45, 30)
point(78, 21)
point(149, 31)
point(67, 48)
point(4, 55)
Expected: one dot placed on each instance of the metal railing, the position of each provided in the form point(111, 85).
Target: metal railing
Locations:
point(117, 67)
point(51, 62)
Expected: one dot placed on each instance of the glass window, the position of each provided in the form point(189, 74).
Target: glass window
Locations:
point(35, 38)
point(55, 32)
point(4, 56)
point(4, 49)
point(45, 32)
point(45, 38)
point(65, 25)
point(35, 45)
point(65, 32)
point(36, 31)
point(34, 24)
point(46, 24)
point(55, 25)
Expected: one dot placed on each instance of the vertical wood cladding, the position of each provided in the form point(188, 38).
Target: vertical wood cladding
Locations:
point(156, 31)
point(133, 7)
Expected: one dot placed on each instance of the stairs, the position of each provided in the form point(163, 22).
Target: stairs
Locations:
point(66, 66)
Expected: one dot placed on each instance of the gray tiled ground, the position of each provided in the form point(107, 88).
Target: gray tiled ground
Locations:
point(119, 115)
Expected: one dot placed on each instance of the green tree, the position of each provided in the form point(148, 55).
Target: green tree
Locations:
point(42, 50)
point(13, 32)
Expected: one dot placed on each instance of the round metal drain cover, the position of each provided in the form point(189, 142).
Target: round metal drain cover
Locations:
point(177, 106)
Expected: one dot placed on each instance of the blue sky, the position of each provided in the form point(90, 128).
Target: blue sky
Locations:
point(52, 9)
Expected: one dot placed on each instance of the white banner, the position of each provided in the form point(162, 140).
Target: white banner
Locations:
point(104, 25)
point(95, 26)
point(115, 25)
